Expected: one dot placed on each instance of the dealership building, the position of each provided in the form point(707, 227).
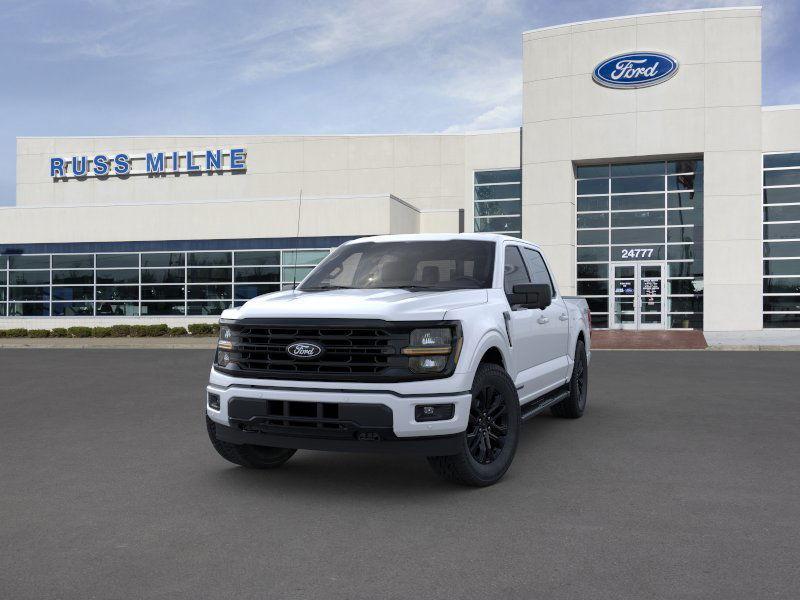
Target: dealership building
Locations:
point(645, 166)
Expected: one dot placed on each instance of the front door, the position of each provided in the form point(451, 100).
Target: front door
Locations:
point(637, 300)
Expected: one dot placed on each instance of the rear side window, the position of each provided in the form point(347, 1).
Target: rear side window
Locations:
point(514, 271)
point(538, 269)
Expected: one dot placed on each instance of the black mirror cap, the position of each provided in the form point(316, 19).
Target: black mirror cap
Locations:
point(531, 295)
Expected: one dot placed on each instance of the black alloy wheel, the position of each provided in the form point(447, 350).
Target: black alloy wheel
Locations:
point(488, 425)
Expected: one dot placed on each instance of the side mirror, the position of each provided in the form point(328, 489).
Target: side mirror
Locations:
point(530, 295)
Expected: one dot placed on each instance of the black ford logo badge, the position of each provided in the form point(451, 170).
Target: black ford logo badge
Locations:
point(304, 350)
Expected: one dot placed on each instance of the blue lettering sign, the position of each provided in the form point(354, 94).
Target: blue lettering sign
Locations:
point(79, 166)
point(154, 163)
point(123, 165)
point(100, 164)
point(635, 70)
point(237, 159)
point(176, 162)
point(213, 160)
point(56, 167)
point(190, 166)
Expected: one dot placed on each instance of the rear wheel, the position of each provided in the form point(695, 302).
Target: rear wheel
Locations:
point(573, 406)
point(490, 440)
point(247, 455)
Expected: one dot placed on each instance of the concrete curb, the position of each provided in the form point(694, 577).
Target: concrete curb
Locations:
point(166, 343)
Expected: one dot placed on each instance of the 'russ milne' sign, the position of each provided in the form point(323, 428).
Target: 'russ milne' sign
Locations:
point(635, 70)
point(151, 163)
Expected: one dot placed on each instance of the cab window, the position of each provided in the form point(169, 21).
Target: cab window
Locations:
point(515, 271)
point(538, 269)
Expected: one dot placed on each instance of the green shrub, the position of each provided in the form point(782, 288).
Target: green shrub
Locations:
point(80, 332)
point(38, 333)
point(138, 330)
point(203, 329)
point(120, 330)
point(157, 330)
point(17, 332)
point(101, 332)
point(177, 331)
point(59, 332)
point(2, 333)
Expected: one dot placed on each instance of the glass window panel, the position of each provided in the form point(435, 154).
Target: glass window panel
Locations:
point(593, 220)
point(496, 192)
point(508, 207)
point(648, 168)
point(679, 252)
point(162, 308)
point(209, 259)
point(29, 277)
point(85, 292)
point(592, 186)
point(3, 262)
point(2, 277)
point(684, 217)
point(782, 267)
point(592, 271)
point(789, 159)
point(251, 290)
point(636, 184)
point(2, 294)
point(214, 307)
point(163, 275)
point(781, 249)
point(73, 277)
point(29, 262)
point(637, 219)
point(590, 254)
point(788, 320)
point(685, 200)
point(782, 303)
point(680, 269)
point(73, 261)
point(29, 293)
point(597, 305)
point(209, 275)
point(73, 309)
point(209, 292)
point(2, 309)
point(789, 177)
point(163, 259)
point(694, 321)
point(589, 171)
point(638, 252)
point(492, 224)
point(680, 234)
point(597, 203)
point(637, 236)
point(113, 261)
point(782, 231)
point(303, 257)
point(684, 286)
point(28, 309)
point(256, 258)
point(593, 288)
point(782, 195)
point(117, 292)
point(782, 213)
point(685, 305)
point(257, 274)
point(782, 285)
point(592, 236)
point(599, 321)
point(301, 272)
point(684, 166)
point(498, 176)
point(117, 309)
point(162, 292)
point(684, 182)
point(637, 202)
point(118, 276)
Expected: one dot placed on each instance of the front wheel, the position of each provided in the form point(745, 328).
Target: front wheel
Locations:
point(573, 406)
point(490, 441)
point(248, 455)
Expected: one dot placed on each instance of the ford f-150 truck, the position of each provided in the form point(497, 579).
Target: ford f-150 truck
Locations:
point(439, 345)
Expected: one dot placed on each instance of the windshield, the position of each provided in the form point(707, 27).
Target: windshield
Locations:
point(418, 265)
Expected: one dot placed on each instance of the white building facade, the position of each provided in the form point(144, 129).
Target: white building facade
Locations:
point(645, 166)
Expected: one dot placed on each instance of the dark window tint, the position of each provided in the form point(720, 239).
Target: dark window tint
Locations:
point(209, 259)
point(73, 277)
point(637, 184)
point(590, 254)
point(589, 171)
point(637, 236)
point(251, 290)
point(496, 192)
point(684, 217)
point(207, 308)
point(117, 309)
point(72, 309)
point(781, 249)
point(637, 218)
point(782, 303)
point(788, 320)
point(592, 186)
point(782, 231)
point(782, 285)
point(782, 213)
point(684, 182)
point(684, 166)
point(257, 258)
point(117, 260)
point(209, 292)
point(162, 308)
point(638, 252)
point(163, 275)
point(592, 220)
point(118, 276)
point(162, 292)
point(514, 270)
point(782, 267)
point(692, 321)
point(592, 271)
point(508, 175)
point(117, 292)
point(163, 259)
point(593, 288)
point(537, 268)
point(597, 305)
point(782, 195)
point(684, 200)
point(788, 177)
point(257, 274)
point(592, 236)
point(791, 159)
point(73, 261)
point(684, 286)
point(28, 309)
point(29, 262)
point(651, 168)
point(504, 207)
point(680, 234)
point(498, 224)
point(680, 269)
point(637, 202)
point(679, 252)
point(209, 275)
point(596, 203)
point(29, 277)
point(685, 305)
point(85, 292)
point(29, 293)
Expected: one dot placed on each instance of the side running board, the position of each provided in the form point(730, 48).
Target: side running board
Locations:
point(533, 408)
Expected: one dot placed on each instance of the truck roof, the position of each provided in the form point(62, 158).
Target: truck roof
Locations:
point(422, 237)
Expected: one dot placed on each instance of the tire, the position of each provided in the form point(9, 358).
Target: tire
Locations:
point(247, 455)
point(490, 440)
point(573, 407)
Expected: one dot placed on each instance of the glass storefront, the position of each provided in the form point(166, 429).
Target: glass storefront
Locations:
point(129, 284)
point(781, 300)
point(640, 243)
point(498, 202)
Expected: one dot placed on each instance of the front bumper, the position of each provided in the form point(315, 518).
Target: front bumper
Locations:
point(399, 432)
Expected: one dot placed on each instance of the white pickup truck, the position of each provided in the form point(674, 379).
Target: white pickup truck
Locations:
point(439, 345)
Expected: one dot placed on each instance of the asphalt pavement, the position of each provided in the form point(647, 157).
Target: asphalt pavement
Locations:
point(681, 481)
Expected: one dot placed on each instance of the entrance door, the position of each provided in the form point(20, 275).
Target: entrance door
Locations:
point(637, 290)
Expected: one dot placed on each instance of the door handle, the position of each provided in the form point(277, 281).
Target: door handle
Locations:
point(563, 317)
point(542, 320)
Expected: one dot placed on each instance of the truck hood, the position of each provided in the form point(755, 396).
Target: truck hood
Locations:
point(389, 305)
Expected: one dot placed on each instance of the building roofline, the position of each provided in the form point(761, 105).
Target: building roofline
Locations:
point(652, 14)
point(781, 107)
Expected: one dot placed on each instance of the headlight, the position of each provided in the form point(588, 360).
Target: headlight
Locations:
point(430, 349)
point(224, 346)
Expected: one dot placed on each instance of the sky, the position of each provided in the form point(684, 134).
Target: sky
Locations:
point(174, 67)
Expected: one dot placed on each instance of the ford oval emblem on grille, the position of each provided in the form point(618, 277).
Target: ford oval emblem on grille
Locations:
point(304, 350)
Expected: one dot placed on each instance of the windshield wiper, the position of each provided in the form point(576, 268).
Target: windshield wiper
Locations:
point(412, 287)
point(324, 288)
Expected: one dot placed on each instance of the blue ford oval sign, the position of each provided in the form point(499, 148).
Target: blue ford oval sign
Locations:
point(635, 70)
